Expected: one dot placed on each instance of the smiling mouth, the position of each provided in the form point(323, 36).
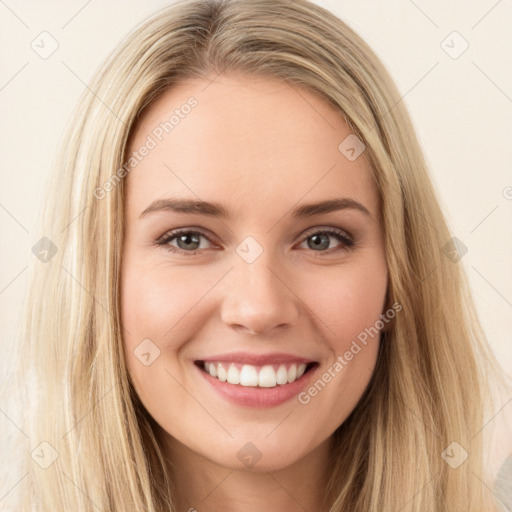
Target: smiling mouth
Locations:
point(266, 376)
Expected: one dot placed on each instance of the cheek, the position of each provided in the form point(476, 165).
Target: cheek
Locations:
point(155, 297)
point(348, 301)
point(157, 312)
point(159, 303)
point(347, 307)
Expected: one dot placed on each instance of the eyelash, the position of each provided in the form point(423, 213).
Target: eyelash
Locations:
point(346, 245)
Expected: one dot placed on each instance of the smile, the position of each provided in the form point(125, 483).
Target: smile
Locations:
point(267, 376)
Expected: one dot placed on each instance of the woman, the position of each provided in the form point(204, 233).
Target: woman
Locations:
point(315, 349)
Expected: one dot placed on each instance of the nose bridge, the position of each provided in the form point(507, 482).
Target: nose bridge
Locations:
point(256, 296)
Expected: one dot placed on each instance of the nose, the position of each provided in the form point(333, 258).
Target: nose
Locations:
point(258, 299)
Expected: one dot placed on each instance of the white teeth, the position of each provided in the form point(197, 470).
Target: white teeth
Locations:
point(233, 375)
point(221, 372)
point(213, 369)
point(249, 375)
point(267, 377)
point(282, 375)
point(292, 373)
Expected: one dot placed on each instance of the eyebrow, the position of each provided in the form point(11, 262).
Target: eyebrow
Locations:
point(217, 210)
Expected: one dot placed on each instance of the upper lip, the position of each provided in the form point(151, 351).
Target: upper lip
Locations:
point(257, 359)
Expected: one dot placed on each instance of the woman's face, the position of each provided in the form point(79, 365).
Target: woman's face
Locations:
point(259, 283)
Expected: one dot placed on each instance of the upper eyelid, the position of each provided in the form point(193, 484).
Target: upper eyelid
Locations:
point(317, 229)
point(173, 233)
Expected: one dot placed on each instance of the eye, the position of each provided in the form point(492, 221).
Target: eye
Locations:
point(320, 240)
point(189, 241)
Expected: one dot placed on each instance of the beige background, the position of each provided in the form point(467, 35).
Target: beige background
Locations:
point(461, 107)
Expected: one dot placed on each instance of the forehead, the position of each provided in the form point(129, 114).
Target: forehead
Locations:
point(245, 141)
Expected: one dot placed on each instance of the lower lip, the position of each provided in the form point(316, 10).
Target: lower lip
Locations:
point(252, 396)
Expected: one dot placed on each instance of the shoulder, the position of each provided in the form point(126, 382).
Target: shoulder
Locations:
point(500, 462)
point(500, 429)
point(503, 485)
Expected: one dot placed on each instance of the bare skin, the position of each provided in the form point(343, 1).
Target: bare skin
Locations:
point(260, 149)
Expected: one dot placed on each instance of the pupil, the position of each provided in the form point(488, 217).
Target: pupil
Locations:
point(318, 243)
point(186, 238)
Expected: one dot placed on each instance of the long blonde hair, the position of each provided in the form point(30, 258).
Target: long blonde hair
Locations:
point(431, 384)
